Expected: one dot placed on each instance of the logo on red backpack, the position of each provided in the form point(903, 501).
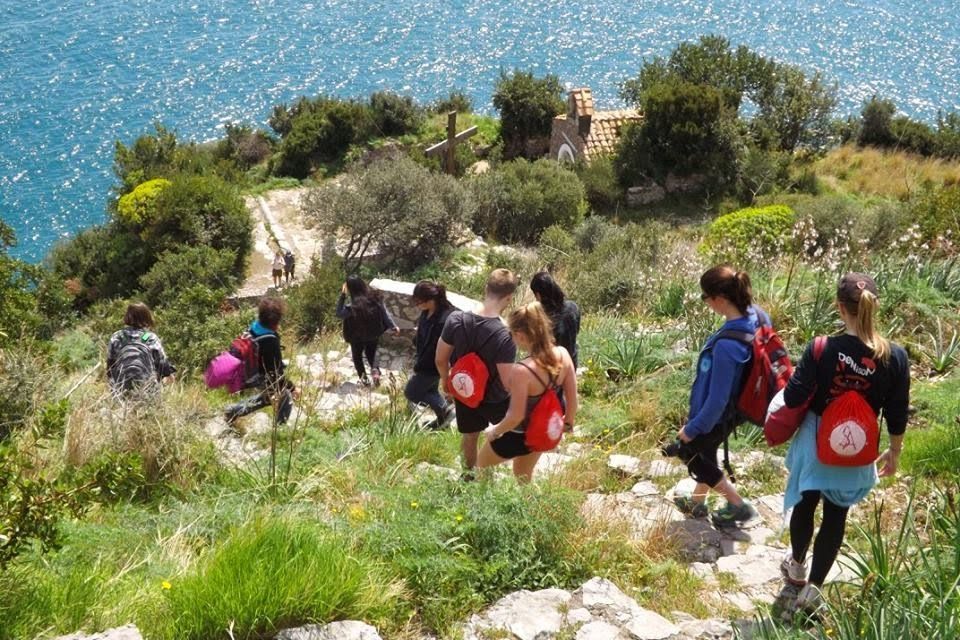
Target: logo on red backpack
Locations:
point(848, 435)
point(468, 380)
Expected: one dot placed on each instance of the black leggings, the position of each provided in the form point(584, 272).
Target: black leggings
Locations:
point(829, 538)
point(358, 349)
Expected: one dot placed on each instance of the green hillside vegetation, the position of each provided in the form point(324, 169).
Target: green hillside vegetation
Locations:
point(110, 515)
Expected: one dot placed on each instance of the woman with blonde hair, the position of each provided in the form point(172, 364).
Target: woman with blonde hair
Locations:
point(858, 360)
point(546, 366)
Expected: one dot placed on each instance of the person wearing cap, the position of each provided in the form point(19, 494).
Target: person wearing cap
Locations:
point(862, 360)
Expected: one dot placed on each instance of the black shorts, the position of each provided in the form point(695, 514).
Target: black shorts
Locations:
point(511, 445)
point(700, 456)
point(476, 420)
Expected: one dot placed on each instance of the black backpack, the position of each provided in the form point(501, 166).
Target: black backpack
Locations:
point(133, 368)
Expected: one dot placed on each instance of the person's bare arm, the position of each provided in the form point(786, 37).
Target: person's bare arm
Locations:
point(442, 360)
point(519, 380)
point(570, 392)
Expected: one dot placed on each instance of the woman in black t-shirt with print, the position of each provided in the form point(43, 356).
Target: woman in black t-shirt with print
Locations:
point(564, 314)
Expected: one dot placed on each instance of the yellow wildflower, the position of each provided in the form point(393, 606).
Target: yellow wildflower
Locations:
point(166, 585)
point(414, 505)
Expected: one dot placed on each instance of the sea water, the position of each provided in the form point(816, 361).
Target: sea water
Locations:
point(78, 75)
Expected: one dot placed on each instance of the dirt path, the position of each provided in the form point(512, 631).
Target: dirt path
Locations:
point(277, 221)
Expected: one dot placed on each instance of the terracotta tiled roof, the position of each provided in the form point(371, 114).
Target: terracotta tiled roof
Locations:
point(582, 101)
point(605, 129)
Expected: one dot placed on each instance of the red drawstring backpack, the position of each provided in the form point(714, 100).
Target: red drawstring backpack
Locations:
point(849, 435)
point(783, 421)
point(469, 375)
point(545, 422)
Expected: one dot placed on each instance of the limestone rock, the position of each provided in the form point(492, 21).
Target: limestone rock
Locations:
point(684, 487)
point(712, 629)
point(528, 615)
point(127, 632)
point(664, 469)
point(599, 630)
point(647, 625)
point(626, 464)
point(644, 489)
point(342, 630)
point(604, 599)
point(758, 566)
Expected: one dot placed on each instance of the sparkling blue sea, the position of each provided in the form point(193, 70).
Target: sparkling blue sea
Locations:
point(76, 75)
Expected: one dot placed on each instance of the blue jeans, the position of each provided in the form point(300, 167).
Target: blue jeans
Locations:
point(259, 401)
point(423, 388)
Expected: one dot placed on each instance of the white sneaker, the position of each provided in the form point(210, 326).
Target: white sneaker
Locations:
point(810, 598)
point(793, 572)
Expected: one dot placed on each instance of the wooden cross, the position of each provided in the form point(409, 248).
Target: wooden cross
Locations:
point(450, 144)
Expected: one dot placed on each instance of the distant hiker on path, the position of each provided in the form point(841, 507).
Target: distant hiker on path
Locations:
point(289, 264)
point(274, 387)
point(422, 387)
point(277, 269)
point(720, 368)
point(136, 361)
point(546, 367)
point(564, 314)
point(861, 361)
point(365, 319)
point(478, 384)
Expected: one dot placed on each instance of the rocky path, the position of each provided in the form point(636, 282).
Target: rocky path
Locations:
point(277, 223)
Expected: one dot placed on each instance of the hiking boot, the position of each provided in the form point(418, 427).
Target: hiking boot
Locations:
point(793, 572)
point(448, 415)
point(364, 381)
point(690, 507)
point(734, 514)
point(810, 598)
point(376, 378)
point(468, 475)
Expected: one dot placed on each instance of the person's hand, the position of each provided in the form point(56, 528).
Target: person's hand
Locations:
point(396, 331)
point(490, 433)
point(170, 379)
point(682, 436)
point(887, 463)
point(343, 289)
point(295, 393)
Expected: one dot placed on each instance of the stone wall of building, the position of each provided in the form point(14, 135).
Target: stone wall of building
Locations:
point(566, 126)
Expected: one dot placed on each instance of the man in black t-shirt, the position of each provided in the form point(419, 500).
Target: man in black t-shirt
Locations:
point(485, 334)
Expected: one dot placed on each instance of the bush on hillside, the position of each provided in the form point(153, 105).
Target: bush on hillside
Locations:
point(601, 185)
point(244, 146)
point(749, 236)
point(19, 315)
point(394, 208)
point(762, 172)
point(457, 100)
point(938, 214)
point(194, 328)
point(395, 115)
point(520, 199)
point(200, 211)
point(313, 300)
point(176, 271)
point(556, 247)
point(527, 106)
point(319, 130)
point(139, 206)
point(100, 262)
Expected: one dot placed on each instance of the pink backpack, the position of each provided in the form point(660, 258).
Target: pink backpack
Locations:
point(225, 370)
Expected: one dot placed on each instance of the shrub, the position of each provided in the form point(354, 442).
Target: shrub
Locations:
point(18, 303)
point(194, 329)
point(318, 130)
point(410, 214)
point(244, 146)
point(876, 120)
point(938, 214)
point(457, 100)
point(520, 199)
point(749, 236)
point(273, 574)
point(527, 106)
point(312, 301)
point(25, 379)
point(556, 246)
point(138, 206)
point(76, 350)
point(600, 184)
point(201, 211)
point(762, 172)
point(174, 272)
point(395, 115)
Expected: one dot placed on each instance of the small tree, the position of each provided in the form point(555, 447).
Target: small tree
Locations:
point(520, 199)
point(395, 207)
point(876, 119)
point(395, 115)
point(527, 106)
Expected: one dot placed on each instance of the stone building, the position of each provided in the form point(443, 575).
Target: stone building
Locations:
point(584, 134)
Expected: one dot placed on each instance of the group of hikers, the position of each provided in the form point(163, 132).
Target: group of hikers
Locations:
point(283, 267)
point(465, 367)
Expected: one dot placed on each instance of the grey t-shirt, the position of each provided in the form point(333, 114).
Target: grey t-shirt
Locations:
point(488, 337)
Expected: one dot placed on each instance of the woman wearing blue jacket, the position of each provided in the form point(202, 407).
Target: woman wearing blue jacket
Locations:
point(720, 370)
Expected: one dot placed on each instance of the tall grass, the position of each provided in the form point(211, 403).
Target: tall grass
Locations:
point(274, 574)
point(893, 174)
point(907, 587)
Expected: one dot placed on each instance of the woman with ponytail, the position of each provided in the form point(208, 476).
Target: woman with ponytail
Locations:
point(721, 366)
point(859, 360)
point(423, 385)
point(546, 366)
